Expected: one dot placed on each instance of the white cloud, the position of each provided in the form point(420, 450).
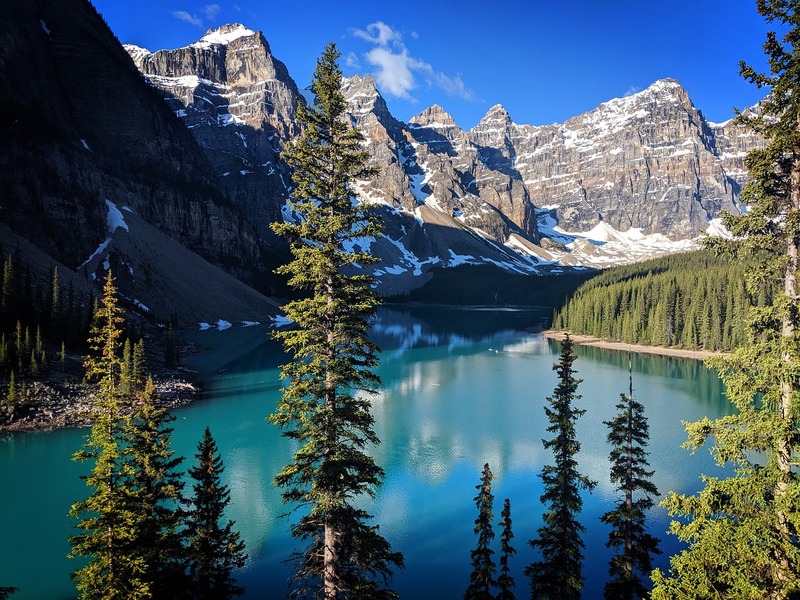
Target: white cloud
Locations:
point(397, 69)
point(379, 33)
point(182, 15)
point(394, 71)
point(351, 61)
point(211, 11)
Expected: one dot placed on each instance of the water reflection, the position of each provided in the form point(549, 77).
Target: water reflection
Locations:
point(460, 388)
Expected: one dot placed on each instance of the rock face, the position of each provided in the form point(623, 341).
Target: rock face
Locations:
point(81, 131)
point(649, 161)
point(190, 146)
point(239, 102)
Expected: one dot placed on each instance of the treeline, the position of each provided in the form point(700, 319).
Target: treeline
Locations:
point(41, 322)
point(696, 300)
point(34, 314)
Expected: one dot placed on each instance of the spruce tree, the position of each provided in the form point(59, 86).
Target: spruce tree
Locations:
point(155, 488)
point(482, 578)
point(743, 530)
point(138, 374)
point(633, 546)
point(505, 581)
point(325, 407)
point(106, 518)
point(214, 550)
point(558, 575)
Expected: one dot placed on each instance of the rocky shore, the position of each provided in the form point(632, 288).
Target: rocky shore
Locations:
point(69, 403)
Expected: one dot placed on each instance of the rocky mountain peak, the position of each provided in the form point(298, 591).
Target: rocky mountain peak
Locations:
point(361, 93)
point(435, 117)
point(492, 129)
point(222, 36)
point(367, 106)
point(496, 113)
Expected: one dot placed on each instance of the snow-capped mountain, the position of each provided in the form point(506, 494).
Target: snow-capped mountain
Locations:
point(239, 102)
point(87, 134)
point(647, 166)
point(87, 147)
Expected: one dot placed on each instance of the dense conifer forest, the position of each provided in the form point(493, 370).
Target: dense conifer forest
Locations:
point(695, 300)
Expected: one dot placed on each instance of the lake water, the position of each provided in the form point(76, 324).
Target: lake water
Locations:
point(460, 388)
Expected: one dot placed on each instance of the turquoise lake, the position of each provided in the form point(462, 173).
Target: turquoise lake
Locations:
point(460, 388)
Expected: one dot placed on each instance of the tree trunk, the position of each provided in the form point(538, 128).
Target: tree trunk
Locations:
point(330, 556)
point(329, 563)
point(784, 451)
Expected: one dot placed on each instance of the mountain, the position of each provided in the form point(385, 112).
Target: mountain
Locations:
point(183, 147)
point(89, 147)
point(239, 102)
point(648, 166)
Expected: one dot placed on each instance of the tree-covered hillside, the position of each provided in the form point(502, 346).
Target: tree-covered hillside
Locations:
point(695, 300)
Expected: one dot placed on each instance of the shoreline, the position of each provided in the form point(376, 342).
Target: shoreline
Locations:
point(71, 404)
point(588, 340)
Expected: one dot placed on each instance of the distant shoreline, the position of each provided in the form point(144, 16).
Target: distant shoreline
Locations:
point(588, 340)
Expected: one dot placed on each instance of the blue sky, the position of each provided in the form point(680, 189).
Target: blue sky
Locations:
point(544, 60)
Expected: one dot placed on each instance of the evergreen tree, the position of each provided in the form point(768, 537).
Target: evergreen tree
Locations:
point(505, 581)
point(325, 407)
point(138, 366)
point(742, 531)
point(214, 550)
point(56, 315)
point(11, 396)
point(155, 488)
point(482, 578)
point(558, 574)
point(106, 518)
point(633, 546)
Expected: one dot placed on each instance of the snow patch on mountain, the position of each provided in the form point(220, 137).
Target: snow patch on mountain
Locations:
point(222, 36)
point(603, 246)
point(115, 220)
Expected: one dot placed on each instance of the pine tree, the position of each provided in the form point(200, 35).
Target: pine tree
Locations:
point(56, 317)
point(155, 488)
point(127, 366)
point(633, 546)
point(482, 578)
point(505, 581)
point(558, 574)
point(106, 518)
point(214, 550)
point(325, 406)
point(742, 531)
point(138, 374)
point(11, 396)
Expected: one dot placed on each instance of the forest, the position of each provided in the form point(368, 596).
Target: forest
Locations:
point(696, 300)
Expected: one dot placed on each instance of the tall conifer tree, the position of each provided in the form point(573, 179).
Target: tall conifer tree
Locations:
point(633, 546)
point(743, 530)
point(325, 407)
point(505, 581)
point(482, 578)
point(155, 489)
point(114, 568)
point(214, 549)
point(558, 575)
